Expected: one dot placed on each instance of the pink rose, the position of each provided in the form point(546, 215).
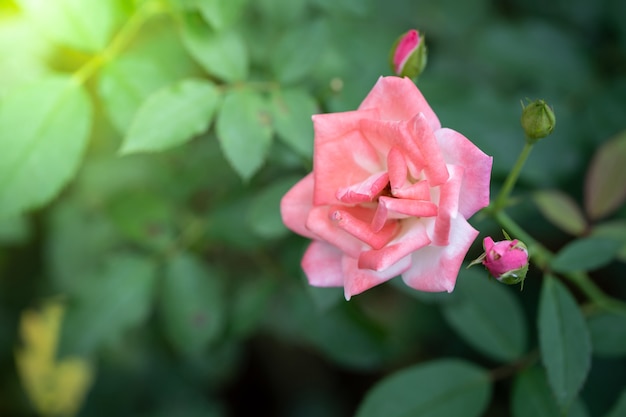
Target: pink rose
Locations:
point(389, 195)
point(506, 260)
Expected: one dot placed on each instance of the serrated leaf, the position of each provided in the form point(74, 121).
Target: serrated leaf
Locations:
point(221, 14)
point(126, 82)
point(604, 184)
point(585, 254)
point(487, 315)
point(44, 129)
point(172, 116)
point(608, 333)
point(244, 131)
point(561, 210)
point(619, 408)
point(264, 214)
point(564, 341)
point(110, 302)
point(532, 397)
point(85, 25)
point(192, 303)
point(222, 54)
point(296, 55)
point(444, 388)
point(292, 111)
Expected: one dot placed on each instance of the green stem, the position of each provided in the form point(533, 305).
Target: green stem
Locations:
point(541, 257)
point(510, 181)
point(119, 42)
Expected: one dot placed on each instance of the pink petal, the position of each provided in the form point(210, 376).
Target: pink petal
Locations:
point(362, 230)
point(385, 135)
point(448, 206)
point(364, 191)
point(322, 265)
point(396, 166)
point(435, 268)
point(405, 48)
point(399, 99)
point(296, 205)
point(340, 163)
point(409, 207)
point(458, 150)
point(423, 136)
point(357, 280)
point(330, 126)
point(412, 238)
point(324, 228)
point(418, 191)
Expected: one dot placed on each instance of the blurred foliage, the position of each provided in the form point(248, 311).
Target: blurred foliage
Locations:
point(144, 148)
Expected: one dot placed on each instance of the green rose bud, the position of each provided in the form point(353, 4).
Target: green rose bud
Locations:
point(537, 120)
point(408, 54)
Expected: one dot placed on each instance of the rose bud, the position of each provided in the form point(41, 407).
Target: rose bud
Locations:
point(537, 120)
point(408, 54)
point(506, 260)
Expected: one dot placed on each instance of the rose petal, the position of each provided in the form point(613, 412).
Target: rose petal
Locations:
point(340, 163)
point(412, 238)
point(322, 265)
point(418, 191)
point(357, 280)
point(396, 166)
point(296, 205)
point(364, 191)
point(399, 99)
point(330, 126)
point(423, 136)
point(324, 228)
point(458, 150)
point(448, 206)
point(362, 230)
point(408, 207)
point(435, 268)
point(385, 135)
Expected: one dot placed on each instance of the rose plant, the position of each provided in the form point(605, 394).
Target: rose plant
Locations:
point(390, 194)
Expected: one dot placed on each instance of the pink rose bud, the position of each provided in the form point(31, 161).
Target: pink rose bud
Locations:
point(408, 55)
point(506, 260)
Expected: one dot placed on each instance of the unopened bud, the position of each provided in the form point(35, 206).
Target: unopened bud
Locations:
point(537, 120)
point(506, 260)
point(408, 54)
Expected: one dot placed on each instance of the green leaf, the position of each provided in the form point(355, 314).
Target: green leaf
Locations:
point(585, 254)
point(296, 55)
point(109, 303)
point(14, 230)
point(292, 111)
point(488, 316)
point(126, 82)
point(85, 25)
point(443, 388)
point(264, 214)
point(44, 129)
point(608, 333)
point(616, 230)
point(561, 210)
point(222, 54)
point(619, 408)
point(532, 397)
point(244, 131)
point(251, 299)
point(192, 303)
point(564, 341)
point(172, 116)
point(604, 184)
point(221, 14)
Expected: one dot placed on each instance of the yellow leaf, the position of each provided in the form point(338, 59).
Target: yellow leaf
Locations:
point(56, 388)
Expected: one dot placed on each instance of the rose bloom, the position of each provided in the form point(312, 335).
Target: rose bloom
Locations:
point(389, 195)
